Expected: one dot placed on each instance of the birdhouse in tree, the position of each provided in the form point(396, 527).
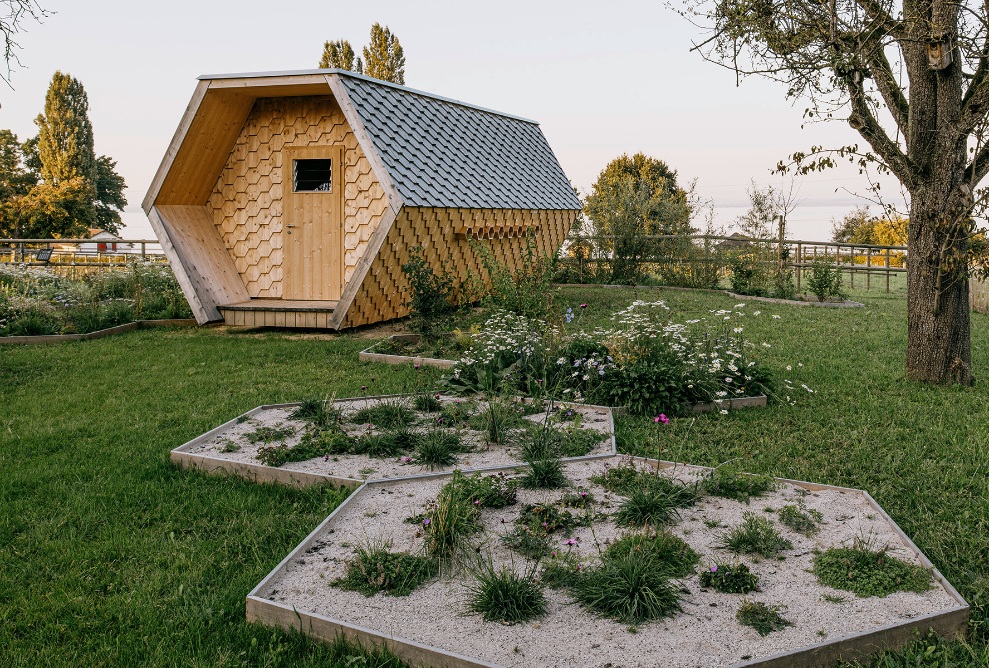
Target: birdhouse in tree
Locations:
point(939, 52)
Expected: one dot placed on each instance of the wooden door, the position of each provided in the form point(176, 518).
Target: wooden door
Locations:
point(312, 223)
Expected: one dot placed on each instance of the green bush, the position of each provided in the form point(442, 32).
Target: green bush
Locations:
point(672, 554)
point(824, 280)
point(430, 295)
point(730, 579)
point(869, 572)
point(375, 569)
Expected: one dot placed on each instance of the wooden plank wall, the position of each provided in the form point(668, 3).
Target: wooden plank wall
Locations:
point(206, 265)
point(246, 201)
point(383, 293)
point(978, 294)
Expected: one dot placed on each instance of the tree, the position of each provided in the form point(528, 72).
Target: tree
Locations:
point(384, 57)
point(15, 178)
point(63, 153)
point(65, 134)
point(928, 130)
point(57, 210)
point(633, 198)
point(110, 200)
point(858, 227)
point(340, 54)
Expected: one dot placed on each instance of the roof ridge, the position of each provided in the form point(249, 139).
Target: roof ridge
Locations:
point(364, 77)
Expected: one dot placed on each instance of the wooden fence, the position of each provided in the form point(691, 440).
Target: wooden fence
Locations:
point(707, 256)
point(72, 257)
point(978, 294)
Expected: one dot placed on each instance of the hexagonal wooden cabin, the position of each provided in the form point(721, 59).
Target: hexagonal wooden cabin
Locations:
point(293, 199)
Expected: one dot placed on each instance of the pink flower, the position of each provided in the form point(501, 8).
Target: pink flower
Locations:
point(661, 418)
point(363, 387)
point(425, 522)
point(477, 502)
point(583, 306)
point(714, 569)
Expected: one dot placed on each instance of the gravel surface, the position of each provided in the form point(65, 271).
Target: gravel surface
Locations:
point(361, 467)
point(704, 634)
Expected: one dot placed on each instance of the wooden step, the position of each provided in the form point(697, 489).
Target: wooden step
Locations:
point(289, 313)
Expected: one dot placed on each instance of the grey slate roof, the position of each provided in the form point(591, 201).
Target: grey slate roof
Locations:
point(443, 153)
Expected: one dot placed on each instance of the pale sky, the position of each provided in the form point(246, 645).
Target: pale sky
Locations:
point(601, 78)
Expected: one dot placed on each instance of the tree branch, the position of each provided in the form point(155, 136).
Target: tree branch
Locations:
point(979, 167)
point(865, 122)
point(889, 87)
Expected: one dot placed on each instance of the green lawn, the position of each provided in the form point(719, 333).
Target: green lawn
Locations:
point(110, 557)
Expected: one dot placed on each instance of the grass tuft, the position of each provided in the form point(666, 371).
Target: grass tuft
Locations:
point(505, 595)
point(630, 586)
point(437, 449)
point(755, 535)
point(802, 520)
point(317, 412)
point(763, 618)
point(374, 569)
point(266, 434)
point(727, 482)
point(671, 553)
point(387, 414)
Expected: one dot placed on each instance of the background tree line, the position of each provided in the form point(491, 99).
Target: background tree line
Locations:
point(383, 57)
point(54, 185)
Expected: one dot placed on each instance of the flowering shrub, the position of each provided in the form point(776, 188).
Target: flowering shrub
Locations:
point(643, 360)
point(35, 300)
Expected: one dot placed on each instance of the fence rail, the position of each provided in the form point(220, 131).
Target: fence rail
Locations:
point(78, 256)
point(707, 255)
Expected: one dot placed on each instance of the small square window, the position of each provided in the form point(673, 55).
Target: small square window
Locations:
point(312, 175)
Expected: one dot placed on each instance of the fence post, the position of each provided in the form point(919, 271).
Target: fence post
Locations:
point(868, 272)
point(798, 263)
point(887, 270)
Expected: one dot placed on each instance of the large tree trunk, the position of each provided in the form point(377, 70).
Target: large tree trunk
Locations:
point(938, 342)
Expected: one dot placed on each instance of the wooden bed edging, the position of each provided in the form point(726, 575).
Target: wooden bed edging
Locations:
point(98, 334)
point(368, 355)
point(950, 623)
point(260, 473)
point(738, 403)
point(773, 300)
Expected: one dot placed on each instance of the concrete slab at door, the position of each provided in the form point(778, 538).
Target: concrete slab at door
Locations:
point(313, 225)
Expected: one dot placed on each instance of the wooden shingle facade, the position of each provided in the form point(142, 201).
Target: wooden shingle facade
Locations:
point(293, 200)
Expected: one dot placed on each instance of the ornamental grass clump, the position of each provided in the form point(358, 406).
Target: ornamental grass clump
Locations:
point(763, 618)
point(650, 506)
point(437, 448)
point(755, 535)
point(492, 491)
point(388, 414)
point(319, 413)
point(540, 451)
point(730, 579)
point(626, 479)
point(630, 585)
point(505, 595)
point(496, 420)
point(427, 403)
point(449, 522)
point(802, 520)
point(266, 434)
point(375, 569)
point(866, 571)
point(727, 482)
point(313, 444)
point(672, 554)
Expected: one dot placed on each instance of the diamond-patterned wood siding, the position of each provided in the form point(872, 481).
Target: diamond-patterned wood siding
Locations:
point(383, 292)
point(246, 202)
